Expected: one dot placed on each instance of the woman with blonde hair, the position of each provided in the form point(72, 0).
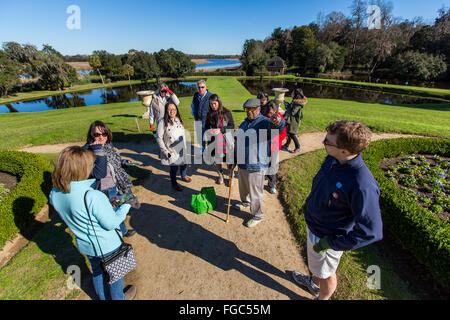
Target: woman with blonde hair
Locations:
point(71, 190)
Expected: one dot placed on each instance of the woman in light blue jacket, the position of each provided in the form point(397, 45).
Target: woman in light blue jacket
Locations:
point(70, 184)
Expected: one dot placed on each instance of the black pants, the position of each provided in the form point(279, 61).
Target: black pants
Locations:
point(272, 179)
point(292, 136)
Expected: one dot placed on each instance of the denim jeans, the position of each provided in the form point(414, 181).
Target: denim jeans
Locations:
point(174, 171)
point(104, 290)
point(112, 192)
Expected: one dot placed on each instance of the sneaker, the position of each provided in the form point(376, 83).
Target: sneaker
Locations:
point(305, 282)
point(296, 151)
point(253, 222)
point(284, 148)
point(273, 191)
point(240, 206)
point(130, 292)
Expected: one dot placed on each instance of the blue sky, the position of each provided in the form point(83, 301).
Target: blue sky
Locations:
point(209, 27)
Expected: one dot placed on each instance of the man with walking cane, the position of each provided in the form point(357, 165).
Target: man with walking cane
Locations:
point(252, 156)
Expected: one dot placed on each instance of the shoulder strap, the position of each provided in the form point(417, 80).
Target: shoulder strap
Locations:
point(89, 215)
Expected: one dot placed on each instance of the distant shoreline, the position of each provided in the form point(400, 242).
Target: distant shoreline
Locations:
point(201, 61)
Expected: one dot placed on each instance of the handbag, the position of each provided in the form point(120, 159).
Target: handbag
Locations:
point(210, 195)
point(120, 262)
point(200, 204)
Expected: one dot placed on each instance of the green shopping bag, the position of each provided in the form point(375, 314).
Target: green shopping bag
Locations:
point(210, 194)
point(200, 204)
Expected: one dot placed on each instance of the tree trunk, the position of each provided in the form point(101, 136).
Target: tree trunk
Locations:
point(100, 76)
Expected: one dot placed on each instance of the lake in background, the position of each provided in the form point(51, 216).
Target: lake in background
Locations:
point(335, 92)
point(95, 97)
point(218, 64)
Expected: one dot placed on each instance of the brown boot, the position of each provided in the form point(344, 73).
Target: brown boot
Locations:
point(130, 292)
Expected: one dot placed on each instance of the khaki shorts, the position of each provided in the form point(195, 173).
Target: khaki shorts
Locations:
point(322, 265)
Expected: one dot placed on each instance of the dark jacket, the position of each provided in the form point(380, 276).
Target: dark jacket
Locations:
point(294, 115)
point(201, 107)
point(100, 166)
point(344, 205)
point(257, 152)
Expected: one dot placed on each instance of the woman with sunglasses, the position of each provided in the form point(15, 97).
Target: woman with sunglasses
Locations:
point(110, 177)
point(159, 101)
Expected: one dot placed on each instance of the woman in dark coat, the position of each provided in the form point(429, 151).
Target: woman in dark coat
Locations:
point(111, 178)
point(218, 121)
point(293, 116)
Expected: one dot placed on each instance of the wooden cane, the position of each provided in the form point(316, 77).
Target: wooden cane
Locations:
point(229, 194)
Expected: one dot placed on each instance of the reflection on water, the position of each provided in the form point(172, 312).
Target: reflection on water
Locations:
point(95, 97)
point(334, 92)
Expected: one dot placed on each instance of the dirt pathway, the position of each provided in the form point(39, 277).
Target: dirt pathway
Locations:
point(181, 255)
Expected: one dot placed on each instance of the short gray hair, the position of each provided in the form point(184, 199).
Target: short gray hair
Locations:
point(201, 81)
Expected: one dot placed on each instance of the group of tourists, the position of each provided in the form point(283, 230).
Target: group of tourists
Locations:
point(92, 191)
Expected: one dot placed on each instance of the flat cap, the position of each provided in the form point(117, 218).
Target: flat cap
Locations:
point(252, 103)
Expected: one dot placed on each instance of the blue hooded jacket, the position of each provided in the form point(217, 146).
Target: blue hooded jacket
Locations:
point(344, 205)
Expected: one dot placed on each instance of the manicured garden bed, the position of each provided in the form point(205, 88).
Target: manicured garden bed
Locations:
point(25, 201)
point(426, 179)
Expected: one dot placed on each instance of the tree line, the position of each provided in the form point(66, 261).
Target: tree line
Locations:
point(53, 73)
point(397, 48)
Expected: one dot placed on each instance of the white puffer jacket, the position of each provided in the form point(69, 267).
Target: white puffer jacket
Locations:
point(172, 140)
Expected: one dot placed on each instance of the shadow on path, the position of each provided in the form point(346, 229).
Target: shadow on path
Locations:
point(170, 230)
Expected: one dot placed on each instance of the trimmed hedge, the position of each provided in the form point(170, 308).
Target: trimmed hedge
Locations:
point(30, 195)
point(417, 229)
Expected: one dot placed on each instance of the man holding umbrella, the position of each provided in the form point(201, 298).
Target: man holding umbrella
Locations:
point(252, 155)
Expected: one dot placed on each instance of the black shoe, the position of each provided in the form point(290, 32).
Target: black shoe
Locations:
point(130, 292)
point(130, 232)
point(177, 187)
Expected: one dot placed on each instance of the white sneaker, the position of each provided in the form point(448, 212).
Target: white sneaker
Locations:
point(240, 206)
point(253, 222)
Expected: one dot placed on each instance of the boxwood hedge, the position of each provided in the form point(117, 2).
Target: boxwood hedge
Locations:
point(30, 195)
point(416, 229)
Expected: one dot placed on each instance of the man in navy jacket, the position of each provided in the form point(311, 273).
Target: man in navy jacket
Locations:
point(200, 108)
point(342, 211)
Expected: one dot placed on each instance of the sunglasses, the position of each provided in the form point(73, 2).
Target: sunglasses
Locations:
point(201, 87)
point(100, 134)
point(250, 109)
point(327, 143)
